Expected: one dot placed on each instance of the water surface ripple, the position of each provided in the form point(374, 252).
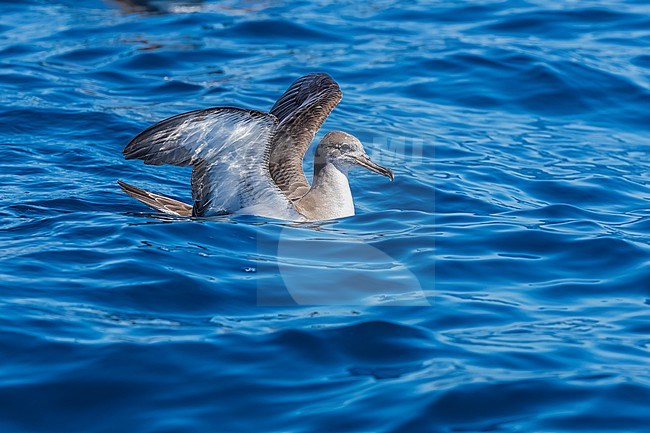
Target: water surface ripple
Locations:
point(501, 283)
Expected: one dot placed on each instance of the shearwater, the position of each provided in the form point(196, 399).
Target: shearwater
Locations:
point(250, 162)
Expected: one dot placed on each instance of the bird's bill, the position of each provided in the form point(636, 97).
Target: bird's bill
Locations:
point(367, 163)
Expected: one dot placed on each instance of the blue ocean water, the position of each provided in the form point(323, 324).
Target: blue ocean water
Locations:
point(500, 283)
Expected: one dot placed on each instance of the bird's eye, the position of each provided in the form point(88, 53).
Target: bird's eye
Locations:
point(345, 148)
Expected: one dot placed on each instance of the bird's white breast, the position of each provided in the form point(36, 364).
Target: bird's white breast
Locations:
point(329, 197)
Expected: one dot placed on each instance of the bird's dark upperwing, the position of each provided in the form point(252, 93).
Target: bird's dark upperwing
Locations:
point(301, 111)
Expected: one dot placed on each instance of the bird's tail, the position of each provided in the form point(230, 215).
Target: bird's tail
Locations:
point(157, 201)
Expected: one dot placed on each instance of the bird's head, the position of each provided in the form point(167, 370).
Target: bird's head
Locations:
point(345, 151)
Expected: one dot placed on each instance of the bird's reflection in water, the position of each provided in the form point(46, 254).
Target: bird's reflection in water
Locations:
point(163, 7)
point(154, 7)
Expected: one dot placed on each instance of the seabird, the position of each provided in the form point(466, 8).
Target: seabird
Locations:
point(250, 162)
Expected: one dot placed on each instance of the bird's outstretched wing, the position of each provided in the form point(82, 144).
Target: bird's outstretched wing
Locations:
point(228, 149)
point(301, 111)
